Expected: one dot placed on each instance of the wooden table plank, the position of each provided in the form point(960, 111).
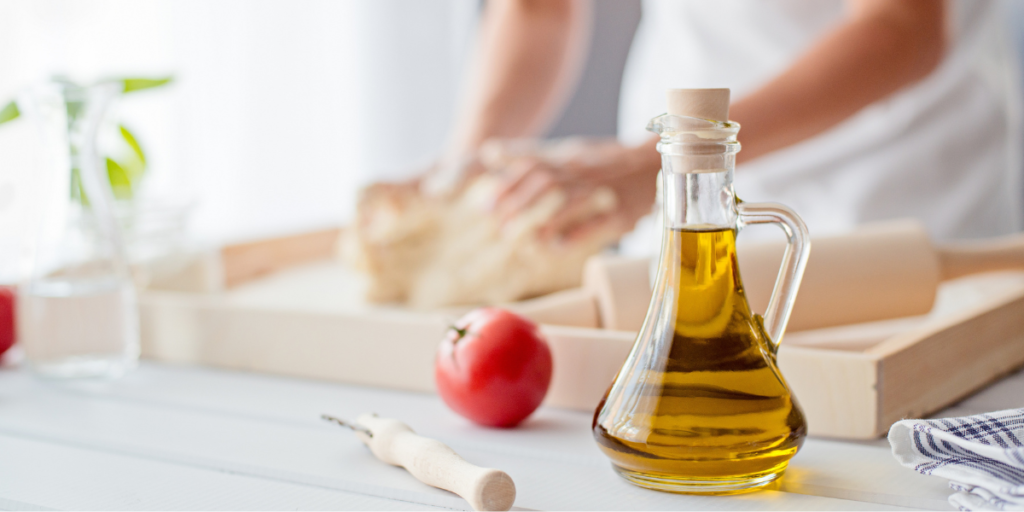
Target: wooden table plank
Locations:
point(42, 475)
point(186, 422)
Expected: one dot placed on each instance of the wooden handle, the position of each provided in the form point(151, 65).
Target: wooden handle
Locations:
point(245, 261)
point(434, 463)
point(962, 258)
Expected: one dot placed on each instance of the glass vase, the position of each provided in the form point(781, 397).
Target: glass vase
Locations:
point(78, 314)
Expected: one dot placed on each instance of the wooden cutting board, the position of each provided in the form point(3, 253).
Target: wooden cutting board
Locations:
point(305, 318)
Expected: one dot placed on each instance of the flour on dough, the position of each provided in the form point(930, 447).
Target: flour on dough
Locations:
point(441, 250)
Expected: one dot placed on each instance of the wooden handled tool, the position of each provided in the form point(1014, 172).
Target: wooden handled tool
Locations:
point(432, 462)
point(879, 271)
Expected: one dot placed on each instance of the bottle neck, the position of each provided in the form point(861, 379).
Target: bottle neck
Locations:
point(698, 157)
point(698, 201)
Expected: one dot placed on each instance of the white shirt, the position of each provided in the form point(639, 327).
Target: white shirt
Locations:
point(943, 150)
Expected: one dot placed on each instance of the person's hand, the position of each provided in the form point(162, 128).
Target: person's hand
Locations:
point(449, 175)
point(446, 177)
point(580, 168)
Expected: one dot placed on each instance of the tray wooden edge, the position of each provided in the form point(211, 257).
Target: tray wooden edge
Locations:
point(355, 348)
point(949, 362)
point(837, 388)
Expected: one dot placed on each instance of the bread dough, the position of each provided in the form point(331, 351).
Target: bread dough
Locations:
point(448, 249)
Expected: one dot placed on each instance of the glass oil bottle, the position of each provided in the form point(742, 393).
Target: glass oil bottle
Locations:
point(700, 405)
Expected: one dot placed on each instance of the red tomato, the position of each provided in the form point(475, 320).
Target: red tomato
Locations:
point(493, 367)
point(7, 296)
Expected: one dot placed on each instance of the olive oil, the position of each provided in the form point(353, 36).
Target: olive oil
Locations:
point(700, 405)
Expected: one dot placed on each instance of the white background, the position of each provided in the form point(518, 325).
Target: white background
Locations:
point(278, 110)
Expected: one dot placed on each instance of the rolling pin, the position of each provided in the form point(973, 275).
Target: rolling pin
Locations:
point(432, 462)
point(879, 271)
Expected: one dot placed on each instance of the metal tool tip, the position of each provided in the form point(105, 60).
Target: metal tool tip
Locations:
point(350, 426)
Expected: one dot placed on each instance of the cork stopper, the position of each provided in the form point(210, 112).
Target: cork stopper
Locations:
point(703, 103)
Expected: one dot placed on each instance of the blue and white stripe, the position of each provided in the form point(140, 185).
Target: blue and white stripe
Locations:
point(982, 456)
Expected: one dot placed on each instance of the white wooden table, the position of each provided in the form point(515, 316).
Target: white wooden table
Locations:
point(188, 438)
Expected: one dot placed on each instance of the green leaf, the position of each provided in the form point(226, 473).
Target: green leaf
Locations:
point(10, 112)
point(133, 161)
point(77, 190)
point(120, 182)
point(138, 84)
point(133, 143)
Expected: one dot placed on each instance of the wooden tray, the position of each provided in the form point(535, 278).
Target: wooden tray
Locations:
point(292, 311)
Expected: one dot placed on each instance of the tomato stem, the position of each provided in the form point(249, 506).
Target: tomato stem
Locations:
point(461, 332)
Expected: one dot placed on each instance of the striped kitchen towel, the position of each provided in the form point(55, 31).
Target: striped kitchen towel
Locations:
point(982, 456)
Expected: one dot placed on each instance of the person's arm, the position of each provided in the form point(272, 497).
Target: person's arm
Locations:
point(883, 46)
point(530, 56)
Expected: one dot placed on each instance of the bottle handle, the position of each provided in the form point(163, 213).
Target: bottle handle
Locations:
point(794, 261)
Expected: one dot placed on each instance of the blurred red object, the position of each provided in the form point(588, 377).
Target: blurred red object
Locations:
point(7, 298)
